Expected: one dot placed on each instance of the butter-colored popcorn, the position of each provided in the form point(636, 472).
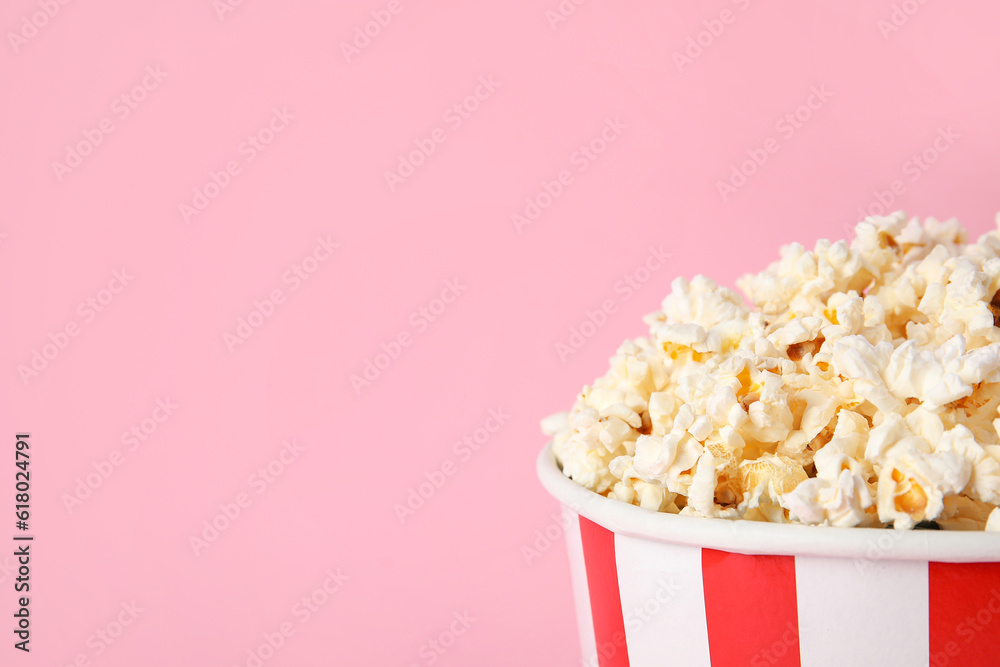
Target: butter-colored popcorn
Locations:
point(842, 502)
point(766, 479)
point(667, 460)
point(859, 387)
point(912, 486)
point(964, 513)
point(993, 522)
point(984, 480)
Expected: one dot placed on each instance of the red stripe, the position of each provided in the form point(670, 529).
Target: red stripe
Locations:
point(751, 608)
point(964, 603)
point(605, 597)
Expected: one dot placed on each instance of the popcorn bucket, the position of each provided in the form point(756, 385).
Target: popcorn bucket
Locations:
point(663, 589)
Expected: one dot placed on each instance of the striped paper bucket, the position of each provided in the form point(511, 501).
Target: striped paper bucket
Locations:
point(656, 589)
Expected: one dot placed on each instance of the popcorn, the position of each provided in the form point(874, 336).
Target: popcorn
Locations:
point(767, 478)
point(663, 460)
point(859, 387)
point(993, 522)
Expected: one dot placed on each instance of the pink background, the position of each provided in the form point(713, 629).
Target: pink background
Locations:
point(681, 129)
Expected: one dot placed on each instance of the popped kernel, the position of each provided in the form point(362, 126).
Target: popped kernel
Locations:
point(860, 386)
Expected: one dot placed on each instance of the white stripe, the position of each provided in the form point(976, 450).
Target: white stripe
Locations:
point(879, 607)
point(663, 602)
point(578, 571)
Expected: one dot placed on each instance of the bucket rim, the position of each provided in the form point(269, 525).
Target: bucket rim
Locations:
point(762, 538)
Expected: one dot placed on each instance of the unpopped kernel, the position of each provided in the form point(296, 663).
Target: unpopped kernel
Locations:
point(859, 387)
